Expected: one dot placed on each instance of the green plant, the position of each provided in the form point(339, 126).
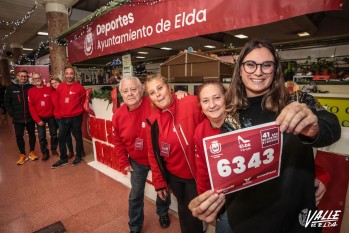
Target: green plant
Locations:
point(315, 67)
point(102, 94)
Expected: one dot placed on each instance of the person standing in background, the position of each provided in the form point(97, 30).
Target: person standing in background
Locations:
point(16, 104)
point(70, 98)
point(41, 110)
point(54, 83)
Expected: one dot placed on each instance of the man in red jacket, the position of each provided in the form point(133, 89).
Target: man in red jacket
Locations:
point(131, 150)
point(41, 110)
point(71, 97)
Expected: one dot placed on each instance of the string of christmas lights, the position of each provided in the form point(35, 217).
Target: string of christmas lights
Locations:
point(83, 30)
point(18, 23)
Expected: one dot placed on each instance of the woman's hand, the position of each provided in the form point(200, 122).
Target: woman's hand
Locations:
point(207, 205)
point(181, 94)
point(297, 118)
point(163, 194)
point(320, 190)
point(128, 169)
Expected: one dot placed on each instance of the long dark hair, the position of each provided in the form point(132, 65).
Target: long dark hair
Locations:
point(277, 96)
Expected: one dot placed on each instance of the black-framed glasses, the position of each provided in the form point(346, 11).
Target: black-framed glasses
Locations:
point(267, 67)
point(22, 76)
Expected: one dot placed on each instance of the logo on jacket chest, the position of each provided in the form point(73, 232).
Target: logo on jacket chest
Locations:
point(165, 149)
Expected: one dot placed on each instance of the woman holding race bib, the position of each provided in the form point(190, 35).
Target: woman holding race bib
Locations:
point(257, 95)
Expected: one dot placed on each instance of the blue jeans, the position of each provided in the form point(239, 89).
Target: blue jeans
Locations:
point(50, 121)
point(72, 124)
point(69, 139)
point(222, 225)
point(136, 198)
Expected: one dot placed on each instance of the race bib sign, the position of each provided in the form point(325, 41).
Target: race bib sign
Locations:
point(243, 158)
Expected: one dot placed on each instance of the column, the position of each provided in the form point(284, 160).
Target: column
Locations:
point(17, 51)
point(5, 71)
point(57, 22)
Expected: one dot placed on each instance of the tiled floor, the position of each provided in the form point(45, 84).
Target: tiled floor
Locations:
point(33, 195)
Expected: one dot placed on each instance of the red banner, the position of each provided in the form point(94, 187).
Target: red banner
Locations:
point(43, 70)
point(243, 158)
point(129, 27)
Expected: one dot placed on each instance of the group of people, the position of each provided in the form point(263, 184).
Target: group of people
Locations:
point(163, 133)
point(59, 106)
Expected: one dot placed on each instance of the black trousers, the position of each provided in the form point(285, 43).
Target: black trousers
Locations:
point(19, 132)
point(51, 122)
point(73, 125)
point(185, 191)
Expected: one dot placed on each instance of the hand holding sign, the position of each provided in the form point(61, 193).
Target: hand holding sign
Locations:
point(243, 158)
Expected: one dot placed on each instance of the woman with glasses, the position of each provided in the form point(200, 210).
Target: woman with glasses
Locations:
point(255, 96)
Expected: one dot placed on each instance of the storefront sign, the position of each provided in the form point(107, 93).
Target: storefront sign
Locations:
point(243, 158)
point(129, 27)
point(339, 107)
point(127, 68)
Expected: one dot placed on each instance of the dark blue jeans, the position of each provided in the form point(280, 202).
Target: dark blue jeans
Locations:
point(69, 139)
point(222, 225)
point(136, 198)
point(19, 132)
point(70, 124)
point(50, 121)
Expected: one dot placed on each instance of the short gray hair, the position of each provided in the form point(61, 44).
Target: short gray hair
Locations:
point(139, 84)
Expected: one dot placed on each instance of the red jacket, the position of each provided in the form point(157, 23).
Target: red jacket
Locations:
point(40, 104)
point(129, 129)
point(175, 139)
point(71, 98)
point(204, 129)
point(56, 110)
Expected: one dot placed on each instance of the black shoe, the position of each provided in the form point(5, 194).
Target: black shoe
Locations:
point(164, 221)
point(45, 157)
point(135, 232)
point(59, 163)
point(76, 161)
point(54, 153)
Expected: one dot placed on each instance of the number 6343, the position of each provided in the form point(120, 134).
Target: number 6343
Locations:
point(225, 169)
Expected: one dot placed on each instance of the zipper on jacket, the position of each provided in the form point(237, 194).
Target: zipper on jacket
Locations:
point(180, 142)
point(185, 139)
point(25, 115)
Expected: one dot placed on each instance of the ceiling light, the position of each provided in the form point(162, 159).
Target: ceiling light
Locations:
point(142, 52)
point(241, 36)
point(165, 48)
point(303, 34)
point(210, 46)
point(43, 33)
point(140, 57)
point(27, 49)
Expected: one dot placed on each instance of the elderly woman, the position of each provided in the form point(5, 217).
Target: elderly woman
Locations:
point(171, 148)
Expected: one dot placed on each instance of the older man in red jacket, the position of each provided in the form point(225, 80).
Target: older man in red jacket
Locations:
point(41, 110)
